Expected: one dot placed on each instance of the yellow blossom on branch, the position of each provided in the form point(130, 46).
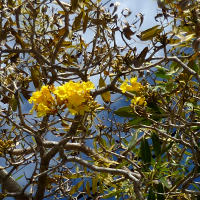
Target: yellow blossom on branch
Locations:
point(73, 95)
point(43, 101)
point(131, 86)
point(140, 101)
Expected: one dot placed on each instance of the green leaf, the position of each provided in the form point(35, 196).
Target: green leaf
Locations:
point(145, 151)
point(143, 54)
point(133, 140)
point(139, 120)
point(36, 77)
point(156, 144)
point(173, 41)
point(19, 177)
point(150, 33)
point(188, 37)
point(165, 183)
point(95, 143)
point(166, 148)
point(153, 107)
point(34, 141)
point(94, 185)
point(160, 189)
point(196, 186)
point(106, 95)
point(193, 66)
point(151, 195)
point(111, 194)
point(103, 142)
point(74, 4)
point(85, 22)
point(13, 103)
point(75, 188)
point(87, 187)
point(125, 112)
point(162, 73)
point(77, 22)
point(74, 176)
point(160, 87)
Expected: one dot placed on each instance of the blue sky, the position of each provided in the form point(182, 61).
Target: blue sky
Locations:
point(147, 7)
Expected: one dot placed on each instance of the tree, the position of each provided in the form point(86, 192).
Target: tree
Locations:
point(71, 145)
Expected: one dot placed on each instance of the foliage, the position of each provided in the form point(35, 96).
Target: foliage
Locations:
point(62, 57)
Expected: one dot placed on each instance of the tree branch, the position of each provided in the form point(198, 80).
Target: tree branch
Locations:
point(177, 60)
point(11, 186)
point(126, 173)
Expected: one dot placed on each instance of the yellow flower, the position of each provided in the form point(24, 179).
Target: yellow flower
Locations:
point(72, 111)
point(60, 93)
point(139, 101)
point(132, 86)
point(75, 96)
point(42, 96)
point(43, 101)
point(124, 86)
point(42, 110)
point(136, 86)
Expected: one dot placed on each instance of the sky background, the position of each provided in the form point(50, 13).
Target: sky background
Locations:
point(146, 7)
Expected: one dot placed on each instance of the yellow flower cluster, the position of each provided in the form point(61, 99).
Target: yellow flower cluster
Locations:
point(75, 96)
point(43, 101)
point(139, 101)
point(134, 86)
